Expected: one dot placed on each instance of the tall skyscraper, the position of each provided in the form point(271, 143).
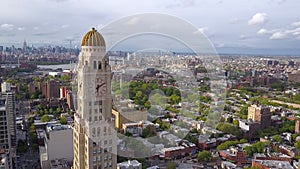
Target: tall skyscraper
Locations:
point(24, 46)
point(10, 106)
point(5, 139)
point(95, 140)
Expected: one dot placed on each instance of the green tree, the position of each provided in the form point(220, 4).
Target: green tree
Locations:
point(229, 119)
point(277, 138)
point(236, 122)
point(226, 145)
point(63, 120)
point(58, 110)
point(158, 99)
point(149, 131)
point(175, 99)
point(257, 147)
point(230, 129)
point(204, 156)
point(192, 139)
point(296, 97)
point(294, 136)
point(39, 106)
point(297, 145)
point(45, 118)
point(22, 147)
point(172, 165)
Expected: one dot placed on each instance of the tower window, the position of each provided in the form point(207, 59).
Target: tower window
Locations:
point(98, 131)
point(86, 62)
point(94, 132)
point(95, 64)
point(99, 65)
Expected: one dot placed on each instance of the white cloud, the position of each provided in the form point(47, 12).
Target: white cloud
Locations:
point(243, 37)
point(296, 24)
point(36, 28)
point(258, 19)
point(265, 31)
point(181, 4)
point(132, 21)
point(7, 27)
point(21, 28)
point(64, 26)
point(293, 31)
point(235, 21)
point(278, 35)
point(203, 29)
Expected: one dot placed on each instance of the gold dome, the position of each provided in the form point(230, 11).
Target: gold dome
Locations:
point(93, 38)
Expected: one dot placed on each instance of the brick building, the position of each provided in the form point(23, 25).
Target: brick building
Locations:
point(234, 154)
point(260, 114)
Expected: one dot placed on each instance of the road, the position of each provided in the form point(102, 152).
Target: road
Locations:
point(29, 160)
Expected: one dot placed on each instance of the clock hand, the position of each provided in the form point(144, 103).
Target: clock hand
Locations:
point(98, 86)
point(101, 84)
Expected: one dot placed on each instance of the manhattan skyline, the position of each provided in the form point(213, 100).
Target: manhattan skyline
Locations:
point(270, 27)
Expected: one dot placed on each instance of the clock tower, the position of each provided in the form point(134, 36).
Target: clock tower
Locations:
point(95, 139)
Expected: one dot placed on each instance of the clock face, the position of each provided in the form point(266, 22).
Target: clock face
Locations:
point(101, 86)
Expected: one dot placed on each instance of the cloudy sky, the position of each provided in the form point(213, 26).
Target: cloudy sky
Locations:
point(257, 26)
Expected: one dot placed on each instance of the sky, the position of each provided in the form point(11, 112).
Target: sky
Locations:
point(248, 27)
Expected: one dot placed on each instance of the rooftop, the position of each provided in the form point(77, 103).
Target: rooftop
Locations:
point(273, 164)
point(127, 164)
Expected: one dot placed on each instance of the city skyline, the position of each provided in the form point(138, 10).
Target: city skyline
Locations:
point(270, 27)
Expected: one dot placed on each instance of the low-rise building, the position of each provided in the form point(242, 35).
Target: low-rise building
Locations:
point(133, 164)
point(234, 154)
point(271, 164)
point(58, 144)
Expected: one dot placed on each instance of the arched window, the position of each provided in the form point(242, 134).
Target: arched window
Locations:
point(99, 64)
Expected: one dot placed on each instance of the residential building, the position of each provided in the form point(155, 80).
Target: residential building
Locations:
point(297, 126)
point(133, 164)
point(5, 139)
point(234, 154)
point(58, 141)
point(128, 115)
point(260, 114)
point(271, 164)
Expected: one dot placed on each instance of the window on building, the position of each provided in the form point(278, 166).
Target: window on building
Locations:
point(93, 132)
point(99, 65)
point(95, 64)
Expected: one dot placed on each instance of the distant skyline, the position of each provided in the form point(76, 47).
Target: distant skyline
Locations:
point(270, 27)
